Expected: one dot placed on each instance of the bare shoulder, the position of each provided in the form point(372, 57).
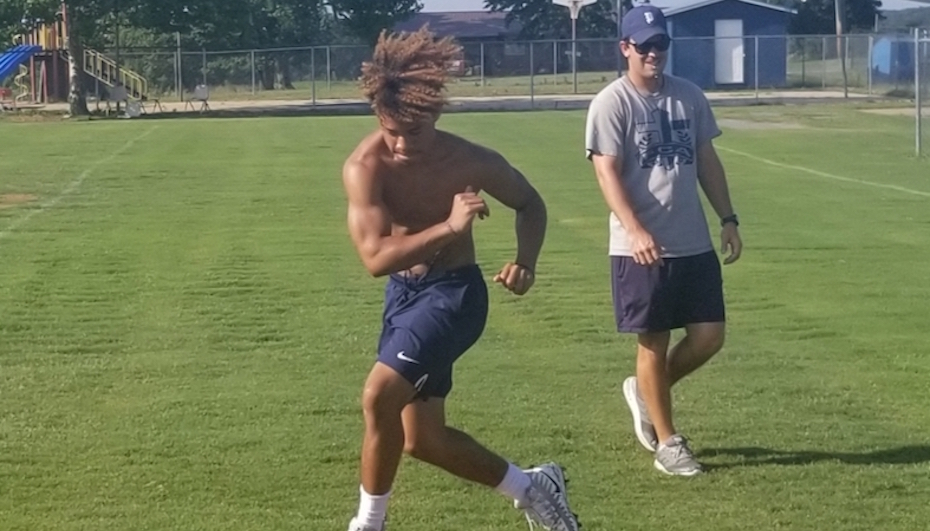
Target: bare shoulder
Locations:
point(476, 157)
point(362, 164)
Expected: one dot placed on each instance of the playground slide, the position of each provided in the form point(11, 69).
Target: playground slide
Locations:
point(12, 58)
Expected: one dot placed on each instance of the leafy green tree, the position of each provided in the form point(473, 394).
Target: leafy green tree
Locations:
point(541, 19)
point(818, 17)
point(366, 18)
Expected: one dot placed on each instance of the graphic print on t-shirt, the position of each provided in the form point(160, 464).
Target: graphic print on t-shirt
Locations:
point(664, 142)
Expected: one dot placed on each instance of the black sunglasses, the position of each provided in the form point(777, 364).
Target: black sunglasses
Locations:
point(660, 44)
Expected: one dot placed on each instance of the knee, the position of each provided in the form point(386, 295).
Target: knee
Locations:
point(380, 402)
point(652, 346)
point(710, 342)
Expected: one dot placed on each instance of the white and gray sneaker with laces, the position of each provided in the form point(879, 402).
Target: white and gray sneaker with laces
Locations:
point(642, 425)
point(674, 457)
point(355, 526)
point(546, 503)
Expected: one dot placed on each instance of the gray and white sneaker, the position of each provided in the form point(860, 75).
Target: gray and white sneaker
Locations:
point(675, 458)
point(355, 526)
point(642, 425)
point(546, 503)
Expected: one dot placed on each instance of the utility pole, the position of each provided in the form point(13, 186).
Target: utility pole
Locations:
point(840, 8)
point(574, 7)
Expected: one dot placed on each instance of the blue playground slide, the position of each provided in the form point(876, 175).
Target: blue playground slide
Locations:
point(12, 58)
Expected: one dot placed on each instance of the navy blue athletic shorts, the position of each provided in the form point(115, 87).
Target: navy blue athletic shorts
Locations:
point(430, 321)
point(682, 291)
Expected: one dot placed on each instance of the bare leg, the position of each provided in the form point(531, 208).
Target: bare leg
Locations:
point(701, 342)
point(653, 381)
point(384, 398)
point(428, 439)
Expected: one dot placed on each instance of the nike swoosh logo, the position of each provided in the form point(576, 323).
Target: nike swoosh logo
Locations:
point(402, 357)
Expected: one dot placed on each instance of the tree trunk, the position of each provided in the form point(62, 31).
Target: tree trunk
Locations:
point(285, 80)
point(77, 98)
point(267, 73)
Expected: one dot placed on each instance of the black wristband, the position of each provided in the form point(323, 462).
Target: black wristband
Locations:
point(730, 219)
point(530, 269)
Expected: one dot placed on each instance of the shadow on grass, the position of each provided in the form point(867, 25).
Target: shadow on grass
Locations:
point(755, 456)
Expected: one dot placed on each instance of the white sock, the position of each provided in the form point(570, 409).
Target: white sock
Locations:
point(372, 510)
point(514, 484)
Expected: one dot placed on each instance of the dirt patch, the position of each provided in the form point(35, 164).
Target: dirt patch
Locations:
point(12, 200)
point(898, 111)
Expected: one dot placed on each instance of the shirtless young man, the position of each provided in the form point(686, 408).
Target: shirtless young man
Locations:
point(413, 194)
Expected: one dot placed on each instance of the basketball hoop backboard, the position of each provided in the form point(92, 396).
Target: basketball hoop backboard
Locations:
point(574, 6)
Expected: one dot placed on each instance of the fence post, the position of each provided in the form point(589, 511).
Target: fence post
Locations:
point(532, 79)
point(329, 69)
point(204, 66)
point(555, 62)
point(252, 61)
point(803, 62)
point(871, 39)
point(180, 79)
point(313, 76)
point(756, 64)
point(823, 79)
point(917, 87)
point(482, 64)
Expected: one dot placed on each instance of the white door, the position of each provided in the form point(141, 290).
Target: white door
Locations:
point(728, 52)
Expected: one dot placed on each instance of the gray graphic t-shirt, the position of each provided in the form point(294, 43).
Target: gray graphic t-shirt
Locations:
point(657, 136)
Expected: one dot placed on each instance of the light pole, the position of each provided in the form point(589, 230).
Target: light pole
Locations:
point(119, 80)
point(574, 7)
point(619, 17)
point(619, 35)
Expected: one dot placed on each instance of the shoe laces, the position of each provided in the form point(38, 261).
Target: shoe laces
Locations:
point(681, 449)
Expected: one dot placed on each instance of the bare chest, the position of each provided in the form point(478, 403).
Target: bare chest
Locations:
point(420, 199)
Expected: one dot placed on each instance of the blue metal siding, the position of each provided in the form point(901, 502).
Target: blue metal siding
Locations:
point(694, 49)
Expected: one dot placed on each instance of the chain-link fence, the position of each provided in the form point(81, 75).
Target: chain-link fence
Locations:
point(872, 64)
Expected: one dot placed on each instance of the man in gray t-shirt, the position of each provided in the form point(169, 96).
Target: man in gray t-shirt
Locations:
point(650, 136)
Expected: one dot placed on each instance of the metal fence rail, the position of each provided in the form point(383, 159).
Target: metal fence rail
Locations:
point(875, 64)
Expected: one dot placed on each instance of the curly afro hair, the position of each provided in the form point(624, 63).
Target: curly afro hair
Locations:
point(406, 77)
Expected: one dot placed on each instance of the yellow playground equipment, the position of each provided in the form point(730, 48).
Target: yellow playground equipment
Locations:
point(52, 63)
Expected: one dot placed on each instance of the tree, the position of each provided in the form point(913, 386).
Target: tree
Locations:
point(366, 18)
point(17, 16)
point(11, 15)
point(242, 24)
point(818, 17)
point(541, 19)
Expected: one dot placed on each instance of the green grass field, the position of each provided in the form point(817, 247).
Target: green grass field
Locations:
point(185, 329)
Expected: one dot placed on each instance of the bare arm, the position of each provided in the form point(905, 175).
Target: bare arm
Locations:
point(370, 227)
point(645, 250)
point(713, 180)
point(714, 183)
point(506, 184)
